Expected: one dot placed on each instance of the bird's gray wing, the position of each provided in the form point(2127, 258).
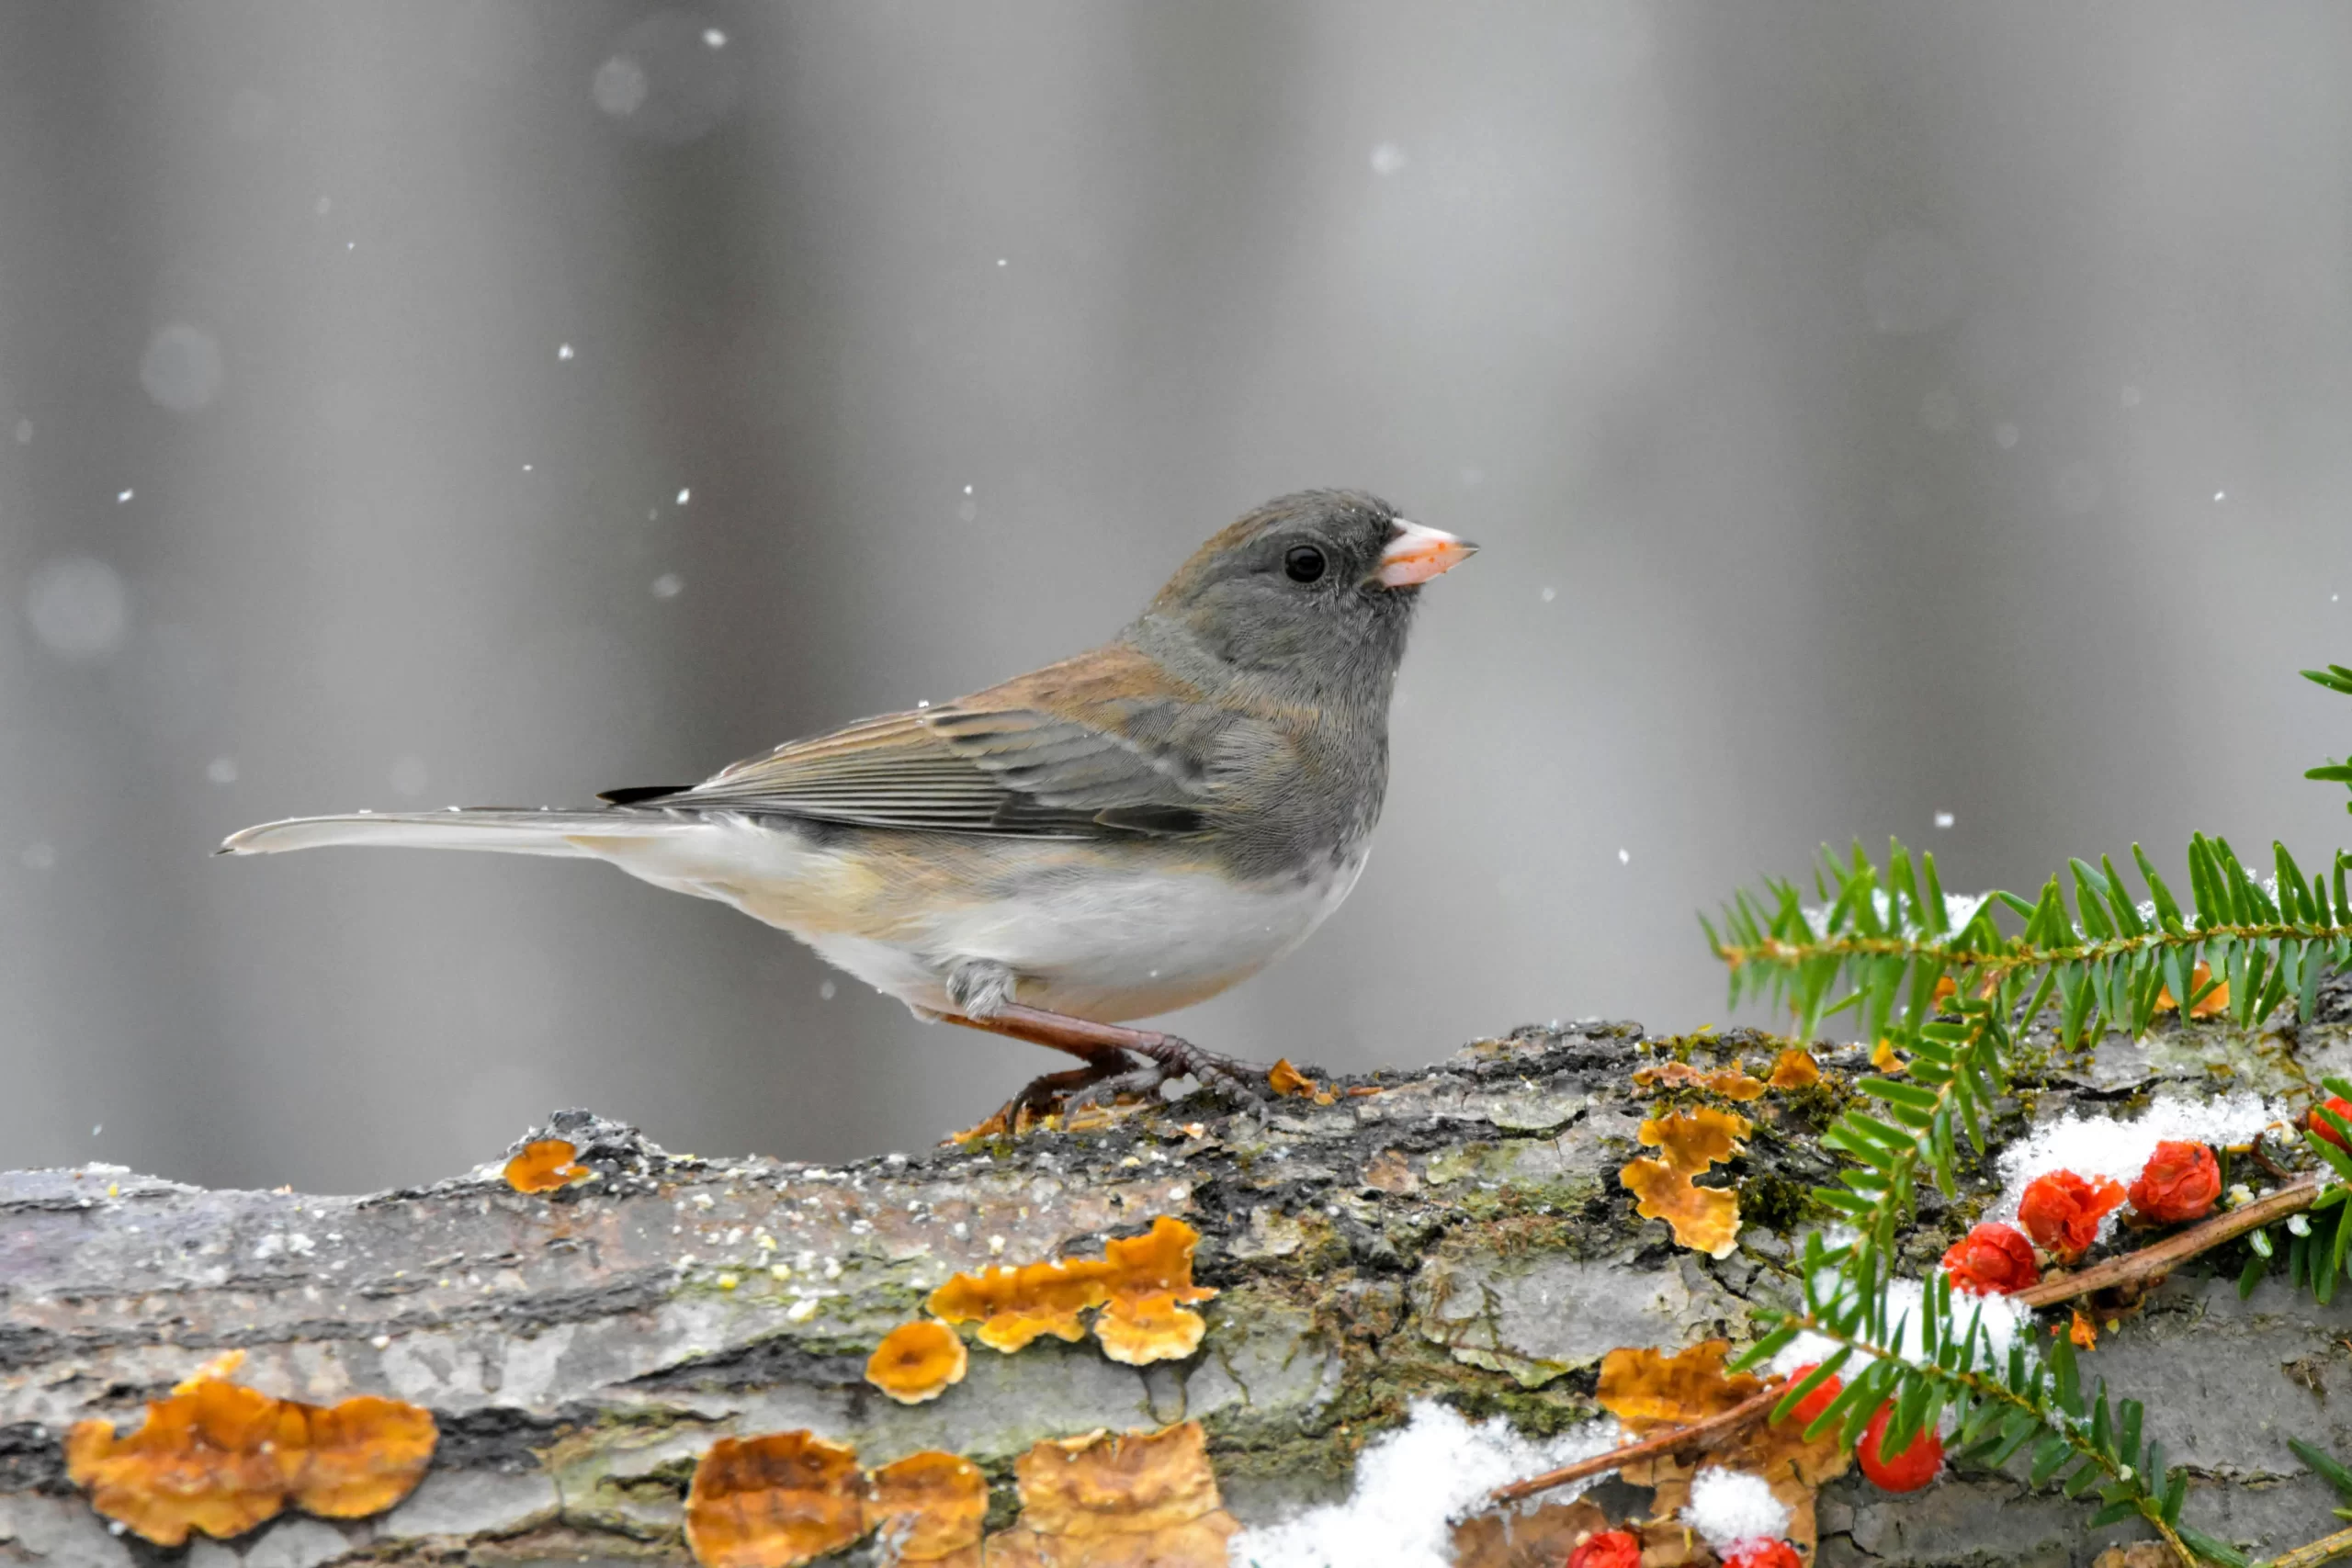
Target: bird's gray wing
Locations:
point(1100, 747)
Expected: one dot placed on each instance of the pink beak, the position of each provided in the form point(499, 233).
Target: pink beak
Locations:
point(1416, 554)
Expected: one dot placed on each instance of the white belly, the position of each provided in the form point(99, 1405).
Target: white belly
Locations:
point(1106, 950)
point(1103, 947)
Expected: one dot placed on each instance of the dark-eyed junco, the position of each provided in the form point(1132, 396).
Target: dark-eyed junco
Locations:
point(1112, 837)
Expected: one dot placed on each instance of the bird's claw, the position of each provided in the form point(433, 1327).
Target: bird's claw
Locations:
point(1136, 1072)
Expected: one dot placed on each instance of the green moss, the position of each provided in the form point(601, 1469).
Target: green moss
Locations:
point(1535, 1413)
point(1813, 1108)
point(1779, 1204)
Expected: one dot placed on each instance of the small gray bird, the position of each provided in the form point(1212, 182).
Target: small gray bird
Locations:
point(1112, 837)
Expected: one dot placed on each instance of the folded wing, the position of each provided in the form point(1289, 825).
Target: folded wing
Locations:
point(1102, 746)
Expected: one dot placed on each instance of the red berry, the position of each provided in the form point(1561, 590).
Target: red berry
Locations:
point(1812, 1403)
point(1609, 1549)
point(1992, 1261)
point(2062, 1211)
point(2179, 1182)
point(2343, 1108)
point(1906, 1471)
point(1762, 1553)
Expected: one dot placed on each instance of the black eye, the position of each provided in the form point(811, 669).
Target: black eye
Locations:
point(1304, 564)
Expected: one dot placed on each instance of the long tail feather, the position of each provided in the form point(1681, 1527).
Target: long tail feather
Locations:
point(499, 830)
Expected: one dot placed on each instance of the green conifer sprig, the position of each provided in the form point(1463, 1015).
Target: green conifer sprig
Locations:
point(1940, 984)
point(2336, 678)
point(2001, 1402)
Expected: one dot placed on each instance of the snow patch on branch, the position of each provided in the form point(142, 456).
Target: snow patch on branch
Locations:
point(2099, 1145)
point(1409, 1484)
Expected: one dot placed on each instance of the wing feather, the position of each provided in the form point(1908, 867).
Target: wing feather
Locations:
point(1080, 749)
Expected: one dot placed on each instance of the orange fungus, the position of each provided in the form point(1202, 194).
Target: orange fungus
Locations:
point(2179, 1182)
point(1014, 1306)
point(917, 1360)
point(929, 1506)
point(219, 1458)
point(1704, 1219)
point(543, 1165)
point(1645, 1389)
point(1106, 1483)
point(1731, 1082)
point(774, 1502)
point(1795, 1069)
point(2062, 1211)
point(1151, 1281)
point(2217, 1001)
point(364, 1455)
point(1906, 1471)
point(1142, 1283)
point(1992, 1261)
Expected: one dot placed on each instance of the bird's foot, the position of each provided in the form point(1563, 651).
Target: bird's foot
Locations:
point(1050, 1094)
point(1170, 1057)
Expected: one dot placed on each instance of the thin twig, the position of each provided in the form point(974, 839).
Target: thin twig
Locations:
point(1730, 1420)
point(2151, 1262)
point(2327, 1549)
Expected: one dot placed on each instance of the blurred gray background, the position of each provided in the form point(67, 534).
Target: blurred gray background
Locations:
point(1877, 416)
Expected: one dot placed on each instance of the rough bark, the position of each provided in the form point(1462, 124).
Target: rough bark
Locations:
point(1461, 1233)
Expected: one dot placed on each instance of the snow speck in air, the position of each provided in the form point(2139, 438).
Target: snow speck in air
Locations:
point(526, 468)
point(1624, 857)
point(122, 498)
point(1387, 158)
point(40, 856)
point(221, 770)
point(1550, 595)
point(1409, 1483)
point(1730, 1506)
point(618, 86)
point(2099, 1145)
point(563, 351)
point(408, 777)
point(24, 431)
point(1004, 261)
point(96, 1127)
point(1939, 411)
point(182, 367)
point(1943, 818)
point(827, 991)
point(78, 608)
point(669, 585)
point(668, 78)
point(2221, 495)
point(2004, 436)
point(684, 496)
